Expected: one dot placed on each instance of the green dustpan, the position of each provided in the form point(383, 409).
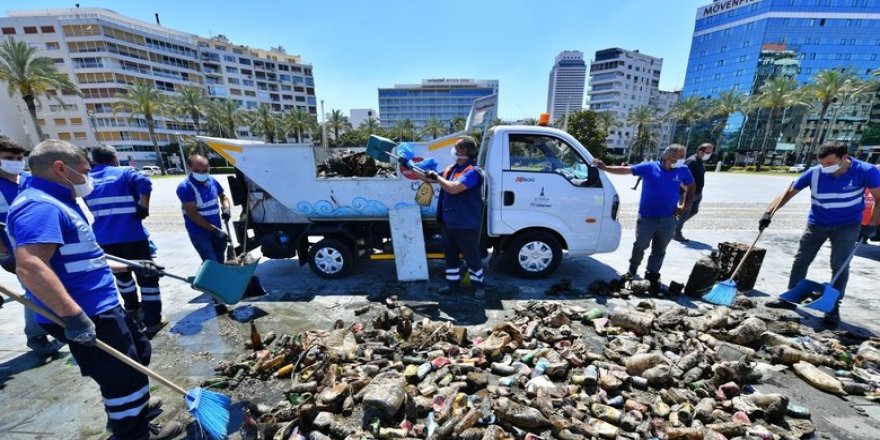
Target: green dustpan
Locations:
point(379, 147)
point(224, 282)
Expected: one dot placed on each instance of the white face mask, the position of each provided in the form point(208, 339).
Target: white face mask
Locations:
point(82, 189)
point(200, 177)
point(455, 154)
point(678, 163)
point(830, 168)
point(707, 157)
point(12, 166)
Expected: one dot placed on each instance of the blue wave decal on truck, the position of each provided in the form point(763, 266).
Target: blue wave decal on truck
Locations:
point(360, 207)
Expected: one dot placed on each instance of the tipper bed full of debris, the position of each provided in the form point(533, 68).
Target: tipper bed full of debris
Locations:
point(552, 370)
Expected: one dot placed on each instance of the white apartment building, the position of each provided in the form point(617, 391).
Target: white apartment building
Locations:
point(358, 116)
point(663, 101)
point(103, 52)
point(565, 88)
point(622, 80)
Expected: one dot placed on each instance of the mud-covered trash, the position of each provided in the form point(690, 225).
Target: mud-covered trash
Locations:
point(818, 378)
point(386, 393)
point(747, 331)
point(347, 163)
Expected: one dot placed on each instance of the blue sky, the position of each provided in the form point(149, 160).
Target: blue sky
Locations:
point(358, 46)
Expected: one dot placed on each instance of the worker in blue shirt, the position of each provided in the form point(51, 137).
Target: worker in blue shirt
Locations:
point(459, 212)
point(11, 166)
point(204, 205)
point(837, 199)
point(659, 207)
point(64, 271)
point(119, 203)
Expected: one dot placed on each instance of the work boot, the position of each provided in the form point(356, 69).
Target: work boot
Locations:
point(832, 318)
point(154, 329)
point(42, 346)
point(166, 431)
point(135, 316)
point(680, 238)
point(654, 279)
point(154, 408)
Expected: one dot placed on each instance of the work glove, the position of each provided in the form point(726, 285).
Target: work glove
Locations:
point(868, 232)
point(7, 262)
point(765, 221)
point(80, 329)
point(222, 235)
point(226, 214)
point(432, 175)
point(141, 211)
point(149, 268)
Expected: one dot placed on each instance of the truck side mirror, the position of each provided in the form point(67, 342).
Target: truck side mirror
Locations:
point(592, 176)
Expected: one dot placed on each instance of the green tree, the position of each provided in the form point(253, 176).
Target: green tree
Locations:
point(31, 76)
point(433, 128)
point(223, 118)
point(299, 122)
point(827, 86)
point(371, 126)
point(775, 95)
point(404, 130)
point(352, 139)
point(264, 122)
point(458, 124)
point(607, 121)
point(584, 126)
point(192, 102)
point(143, 99)
point(727, 103)
point(687, 112)
point(644, 120)
point(337, 122)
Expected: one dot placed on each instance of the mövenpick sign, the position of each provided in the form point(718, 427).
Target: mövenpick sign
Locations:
point(722, 6)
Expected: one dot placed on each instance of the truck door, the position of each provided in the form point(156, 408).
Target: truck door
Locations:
point(545, 184)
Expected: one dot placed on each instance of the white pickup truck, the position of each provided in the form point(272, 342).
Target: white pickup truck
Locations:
point(542, 197)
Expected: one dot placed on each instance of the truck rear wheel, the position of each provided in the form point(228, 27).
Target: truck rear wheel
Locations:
point(331, 258)
point(534, 254)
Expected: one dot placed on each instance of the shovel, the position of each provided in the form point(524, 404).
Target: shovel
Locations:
point(830, 295)
point(225, 283)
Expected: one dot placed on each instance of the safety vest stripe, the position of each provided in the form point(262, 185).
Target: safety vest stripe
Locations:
point(211, 212)
point(846, 195)
point(113, 211)
point(116, 401)
point(85, 265)
point(836, 205)
point(118, 415)
point(107, 200)
point(814, 189)
point(76, 248)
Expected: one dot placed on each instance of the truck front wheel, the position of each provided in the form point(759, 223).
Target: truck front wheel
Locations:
point(331, 258)
point(534, 254)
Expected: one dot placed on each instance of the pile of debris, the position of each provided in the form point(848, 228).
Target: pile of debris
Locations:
point(552, 371)
point(354, 164)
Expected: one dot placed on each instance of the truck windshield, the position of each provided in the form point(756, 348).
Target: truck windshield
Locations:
point(545, 154)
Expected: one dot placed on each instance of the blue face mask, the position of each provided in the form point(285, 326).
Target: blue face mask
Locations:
point(200, 177)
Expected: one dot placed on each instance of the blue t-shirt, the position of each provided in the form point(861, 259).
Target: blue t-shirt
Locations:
point(46, 213)
point(113, 203)
point(205, 196)
point(462, 210)
point(8, 191)
point(660, 188)
point(838, 200)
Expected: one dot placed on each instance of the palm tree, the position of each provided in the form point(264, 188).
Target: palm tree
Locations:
point(687, 111)
point(228, 117)
point(727, 103)
point(193, 103)
point(775, 95)
point(607, 121)
point(31, 76)
point(644, 119)
point(263, 122)
point(143, 99)
point(433, 128)
point(405, 130)
point(458, 124)
point(299, 122)
point(370, 126)
point(337, 122)
point(827, 86)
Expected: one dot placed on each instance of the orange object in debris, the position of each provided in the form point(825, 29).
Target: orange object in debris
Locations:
point(544, 119)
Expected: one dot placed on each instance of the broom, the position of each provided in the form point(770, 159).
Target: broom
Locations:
point(724, 292)
point(211, 410)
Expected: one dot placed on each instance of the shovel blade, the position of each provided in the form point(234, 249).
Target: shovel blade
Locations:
point(799, 292)
point(827, 301)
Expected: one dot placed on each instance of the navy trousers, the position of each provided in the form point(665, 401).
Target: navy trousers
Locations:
point(125, 282)
point(126, 392)
point(465, 242)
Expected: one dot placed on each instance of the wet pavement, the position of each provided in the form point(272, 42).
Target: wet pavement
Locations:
point(50, 399)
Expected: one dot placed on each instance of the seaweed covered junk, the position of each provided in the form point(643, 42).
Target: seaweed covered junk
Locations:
point(354, 164)
point(552, 370)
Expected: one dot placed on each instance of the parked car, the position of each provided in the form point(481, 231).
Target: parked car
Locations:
point(151, 170)
point(175, 170)
point(799, 168)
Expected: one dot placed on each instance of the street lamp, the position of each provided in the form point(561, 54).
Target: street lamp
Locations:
point(323, 126)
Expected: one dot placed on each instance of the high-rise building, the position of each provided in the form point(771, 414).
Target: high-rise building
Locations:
point(103, 52)
point(357, 116)
point(742, 43)
point(622, 80)
point(443, 99)
point(565, 88)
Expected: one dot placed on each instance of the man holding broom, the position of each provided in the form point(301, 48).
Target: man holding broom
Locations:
point(837, 186)
point(64, 271)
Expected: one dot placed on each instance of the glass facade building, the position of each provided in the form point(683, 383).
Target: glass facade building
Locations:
point(730, 36)
point(443, 99)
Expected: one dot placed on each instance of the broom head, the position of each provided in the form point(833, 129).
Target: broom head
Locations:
point(211, 411)
point(722, 294)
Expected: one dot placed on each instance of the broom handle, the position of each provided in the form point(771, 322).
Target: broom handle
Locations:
point(752, 246)
point(845, 264)
point(98, 343)
point(135, 265)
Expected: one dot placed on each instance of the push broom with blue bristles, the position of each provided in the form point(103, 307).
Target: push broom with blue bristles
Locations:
point(210, 409)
